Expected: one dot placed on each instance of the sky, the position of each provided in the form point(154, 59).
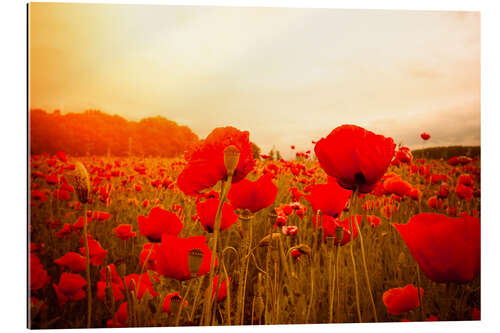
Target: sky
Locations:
point(286, 75)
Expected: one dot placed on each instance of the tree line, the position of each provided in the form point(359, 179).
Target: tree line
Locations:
point(97, 133)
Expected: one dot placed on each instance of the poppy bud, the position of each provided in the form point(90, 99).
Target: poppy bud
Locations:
point(339, 233)
point(268, 239)
point(79, 179)
point(304, 249)
point(259, 307)
point(231, 159)
point(194, 261)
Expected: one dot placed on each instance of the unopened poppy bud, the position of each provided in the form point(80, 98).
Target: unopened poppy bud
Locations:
point(269, 238)
point(259, 307)
point(401, 258)
point(175, 303)
point(339, 233)
point(194, 260)
point(231, 159)
point(304, 249)
point(79, 179)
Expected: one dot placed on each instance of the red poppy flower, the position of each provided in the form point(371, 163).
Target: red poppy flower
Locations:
point(207, 211)
point(447, 249)
point(404, 155)
point(117, 291)
point(425, 136)
point(476, 314)
point(296, 253)
point(38, 195)
point(96, 252)
point(205, 161)
point(253, 196)
point(400, 300)
point(329, 198)
point(172, 256)
point(145, 284)
point(70, 288)
point(356, 157)
point(124, 231)
point(290, 230)
point(115, 278)
point(73, 261)
point(443, 191)
point(121, 317)
point(172, 303)
point(101, 216)
point(398, 186)
point(146, 249)
point(158, 222)
point(64, 231)
point(222, 292)
point(38, 275)
point(330, 224)
point(464, 192)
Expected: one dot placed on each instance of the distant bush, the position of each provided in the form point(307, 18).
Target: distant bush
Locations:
point(446, 152)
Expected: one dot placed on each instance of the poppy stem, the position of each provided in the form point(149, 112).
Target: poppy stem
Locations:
point(218, 218)
point(110, 285)
point(87, 269)
point(247, 260)
point(363, 257)
point(420, 298)
point(354, 266)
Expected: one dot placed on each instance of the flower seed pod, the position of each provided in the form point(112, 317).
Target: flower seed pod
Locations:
point(194, 260)
point(175, 303)
point(339, 233)
point(231, 159)
point(79, 179)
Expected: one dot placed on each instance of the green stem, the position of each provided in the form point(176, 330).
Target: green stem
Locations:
point(218, 218)
point(355, 275)
point(87, 269)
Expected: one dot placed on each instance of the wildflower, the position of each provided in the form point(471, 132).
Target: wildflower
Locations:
point(400, 300)
point(356, 157)
point(205, 161)
point(253, 196)
point(70, 288)
point(447, 249)
point(207, 212)
point(158, 222)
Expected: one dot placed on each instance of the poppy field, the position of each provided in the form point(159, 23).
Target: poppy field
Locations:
point(357, 230)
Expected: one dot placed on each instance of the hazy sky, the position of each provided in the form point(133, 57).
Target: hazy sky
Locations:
point(288, 76)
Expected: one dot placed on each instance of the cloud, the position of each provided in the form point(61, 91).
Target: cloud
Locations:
point(457, 125)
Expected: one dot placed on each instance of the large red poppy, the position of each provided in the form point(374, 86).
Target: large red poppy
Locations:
point(400, 300)
point(70, 288)
point(207, 210)
point(205, 161)
point(172, 256)
point(447, 249)
point(73, 261)
point(38, 275)
point(158, 222)
point(329, 198)
point(356, 157)
point(253, 196)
